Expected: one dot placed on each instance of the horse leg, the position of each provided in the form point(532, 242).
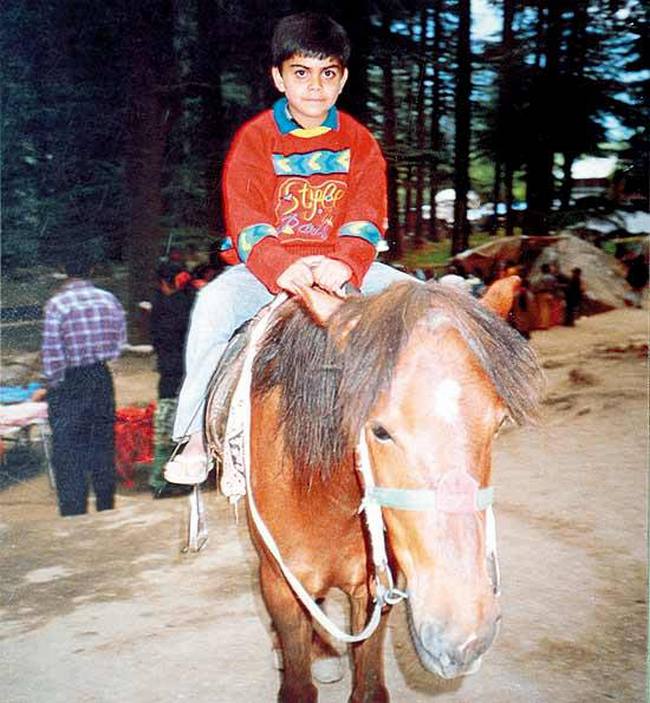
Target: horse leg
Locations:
point(368, 656)
point(327, 665)
point(294, 630)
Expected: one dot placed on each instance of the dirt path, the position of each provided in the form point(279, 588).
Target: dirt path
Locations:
point(104, 607)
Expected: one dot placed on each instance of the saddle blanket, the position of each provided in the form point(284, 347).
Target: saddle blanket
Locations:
point(229, 402)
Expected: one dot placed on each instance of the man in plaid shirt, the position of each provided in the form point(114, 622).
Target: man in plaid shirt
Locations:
point(84, 328)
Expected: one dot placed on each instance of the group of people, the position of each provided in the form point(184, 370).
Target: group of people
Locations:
point(545, 298)
point(550, 287)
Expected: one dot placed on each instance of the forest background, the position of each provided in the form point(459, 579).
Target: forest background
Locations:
point(117, 115)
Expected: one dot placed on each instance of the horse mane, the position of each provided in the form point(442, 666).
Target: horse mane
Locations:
point(330, 378)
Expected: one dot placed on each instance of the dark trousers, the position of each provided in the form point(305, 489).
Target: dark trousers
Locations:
point(82, 418)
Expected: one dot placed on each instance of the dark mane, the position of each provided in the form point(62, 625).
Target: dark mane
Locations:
point(329, 380)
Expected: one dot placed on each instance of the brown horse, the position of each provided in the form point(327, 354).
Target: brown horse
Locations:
point(425, 376)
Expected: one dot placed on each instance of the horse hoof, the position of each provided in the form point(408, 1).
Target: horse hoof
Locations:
point(327, 669)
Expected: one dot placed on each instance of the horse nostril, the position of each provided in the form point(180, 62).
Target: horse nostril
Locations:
point(430, 636)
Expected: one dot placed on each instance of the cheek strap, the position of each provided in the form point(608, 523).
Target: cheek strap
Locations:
point(457, 493)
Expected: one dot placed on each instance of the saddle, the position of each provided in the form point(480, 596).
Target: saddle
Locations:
point(226, 410)
point(221, 389)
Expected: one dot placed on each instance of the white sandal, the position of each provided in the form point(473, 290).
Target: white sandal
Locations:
point(187, 471)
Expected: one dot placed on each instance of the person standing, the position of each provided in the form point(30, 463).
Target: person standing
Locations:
point(84, 328)
point(170, 314)
point(637, 277)
point(573, 294)
point(544, 285)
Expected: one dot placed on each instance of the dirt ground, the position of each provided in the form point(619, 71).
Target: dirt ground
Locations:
point(105, 608)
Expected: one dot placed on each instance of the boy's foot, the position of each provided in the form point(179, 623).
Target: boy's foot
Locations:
point(187, 470)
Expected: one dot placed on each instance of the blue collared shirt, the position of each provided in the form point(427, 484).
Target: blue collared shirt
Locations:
point(286, 124)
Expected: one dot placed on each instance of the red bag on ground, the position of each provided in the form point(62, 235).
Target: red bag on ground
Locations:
point(133, 440)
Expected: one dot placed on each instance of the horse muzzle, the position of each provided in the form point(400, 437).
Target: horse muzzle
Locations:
point(448, 656)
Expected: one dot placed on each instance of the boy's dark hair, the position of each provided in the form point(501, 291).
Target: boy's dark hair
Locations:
point(309, 34)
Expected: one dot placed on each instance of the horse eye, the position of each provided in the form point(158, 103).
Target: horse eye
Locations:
point(380, 432)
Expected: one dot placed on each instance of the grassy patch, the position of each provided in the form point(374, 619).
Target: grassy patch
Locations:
point(437, 254)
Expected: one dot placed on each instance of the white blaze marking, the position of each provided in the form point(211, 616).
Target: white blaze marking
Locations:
point(446, 397)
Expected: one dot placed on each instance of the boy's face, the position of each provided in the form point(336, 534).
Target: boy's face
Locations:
point(311, 86)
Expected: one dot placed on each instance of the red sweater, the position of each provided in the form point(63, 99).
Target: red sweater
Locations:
point(291, 192)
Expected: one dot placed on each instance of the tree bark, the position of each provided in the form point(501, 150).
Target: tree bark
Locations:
point(460, 236)
point(149, 56)
point(540, 184)
point(506, 126)
point(394, 235)
point(576, 53)
point(209, 73)
point(420, 132)
point(496, 197)
point(436, 112)
point(567, 180)
point(355, 18)
point(508, 179)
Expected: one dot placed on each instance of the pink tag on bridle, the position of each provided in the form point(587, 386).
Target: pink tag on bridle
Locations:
point(457, 492)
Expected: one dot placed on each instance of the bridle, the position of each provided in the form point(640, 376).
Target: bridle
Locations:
point(457, 493)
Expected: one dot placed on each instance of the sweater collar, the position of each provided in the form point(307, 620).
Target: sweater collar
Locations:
point(287, 125)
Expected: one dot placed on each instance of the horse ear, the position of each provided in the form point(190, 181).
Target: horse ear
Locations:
point(501, 294)
point(320, 304)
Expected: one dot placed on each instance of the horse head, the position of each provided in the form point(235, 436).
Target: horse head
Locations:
point(460, 373)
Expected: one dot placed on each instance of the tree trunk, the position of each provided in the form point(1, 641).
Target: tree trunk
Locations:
point(567, 180)
point(436, 111)
point(209, 73)
point(394, 236)
point(508, 179)
point(355, 18)
point(408, 202)
point(420, 234)
point(496, 197)
point(460, 237)
point(576, 52)
point(149, 52)
point(506, 126)
point(540, 184)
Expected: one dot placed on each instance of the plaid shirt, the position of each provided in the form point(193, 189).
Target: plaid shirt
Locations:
point(83, 325)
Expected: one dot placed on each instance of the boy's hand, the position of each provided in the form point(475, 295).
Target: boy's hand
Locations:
point(332, 275)
point(297, 275)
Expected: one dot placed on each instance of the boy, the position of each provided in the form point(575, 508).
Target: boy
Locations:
point(305, 203)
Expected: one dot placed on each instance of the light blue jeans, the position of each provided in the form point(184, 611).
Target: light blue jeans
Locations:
point(220, 308)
